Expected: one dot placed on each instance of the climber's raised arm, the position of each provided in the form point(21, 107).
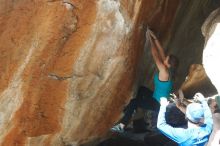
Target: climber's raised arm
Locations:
point(155, 53)
point(158, 45)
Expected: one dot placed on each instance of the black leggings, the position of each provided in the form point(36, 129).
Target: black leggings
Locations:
point(143, 100)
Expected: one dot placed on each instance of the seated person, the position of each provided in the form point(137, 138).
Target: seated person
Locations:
point(175, 118)
point(199, 124)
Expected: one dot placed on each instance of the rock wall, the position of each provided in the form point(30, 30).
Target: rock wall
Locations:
point(185, 40)
point(211, 31)
point(197, 81)
point(68, 67)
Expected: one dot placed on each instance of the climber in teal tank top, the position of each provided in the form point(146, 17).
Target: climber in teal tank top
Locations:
point(162, 88)
point(166, 65)
point(163, 83)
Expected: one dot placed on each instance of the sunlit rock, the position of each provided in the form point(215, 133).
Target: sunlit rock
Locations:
point(69, 67)
point(211, 59)
point(211, 30)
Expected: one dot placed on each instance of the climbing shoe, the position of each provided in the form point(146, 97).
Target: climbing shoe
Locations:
point(118, 128)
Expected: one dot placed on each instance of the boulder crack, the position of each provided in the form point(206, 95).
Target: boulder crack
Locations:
point(60, 78)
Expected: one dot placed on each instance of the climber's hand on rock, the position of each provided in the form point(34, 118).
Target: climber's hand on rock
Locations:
point(148, 34)
point(152, 34)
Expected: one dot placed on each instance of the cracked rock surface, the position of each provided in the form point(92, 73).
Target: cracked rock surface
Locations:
point(68, 67)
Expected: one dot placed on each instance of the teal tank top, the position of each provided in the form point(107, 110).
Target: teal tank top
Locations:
point(162, 88)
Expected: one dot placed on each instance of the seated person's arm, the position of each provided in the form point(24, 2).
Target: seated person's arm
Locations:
point(207, 115)
point(176, 134)
point(179, 101)
point(207, 112)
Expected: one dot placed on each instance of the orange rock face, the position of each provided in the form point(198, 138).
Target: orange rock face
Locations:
point(197, 81)
point(68, 67)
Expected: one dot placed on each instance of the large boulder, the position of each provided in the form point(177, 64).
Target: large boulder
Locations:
point(211, 31)
point(197, 81)
point(68, 67)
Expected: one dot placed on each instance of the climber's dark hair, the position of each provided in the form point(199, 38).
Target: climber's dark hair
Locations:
point(174, 116)
point(174, 63)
